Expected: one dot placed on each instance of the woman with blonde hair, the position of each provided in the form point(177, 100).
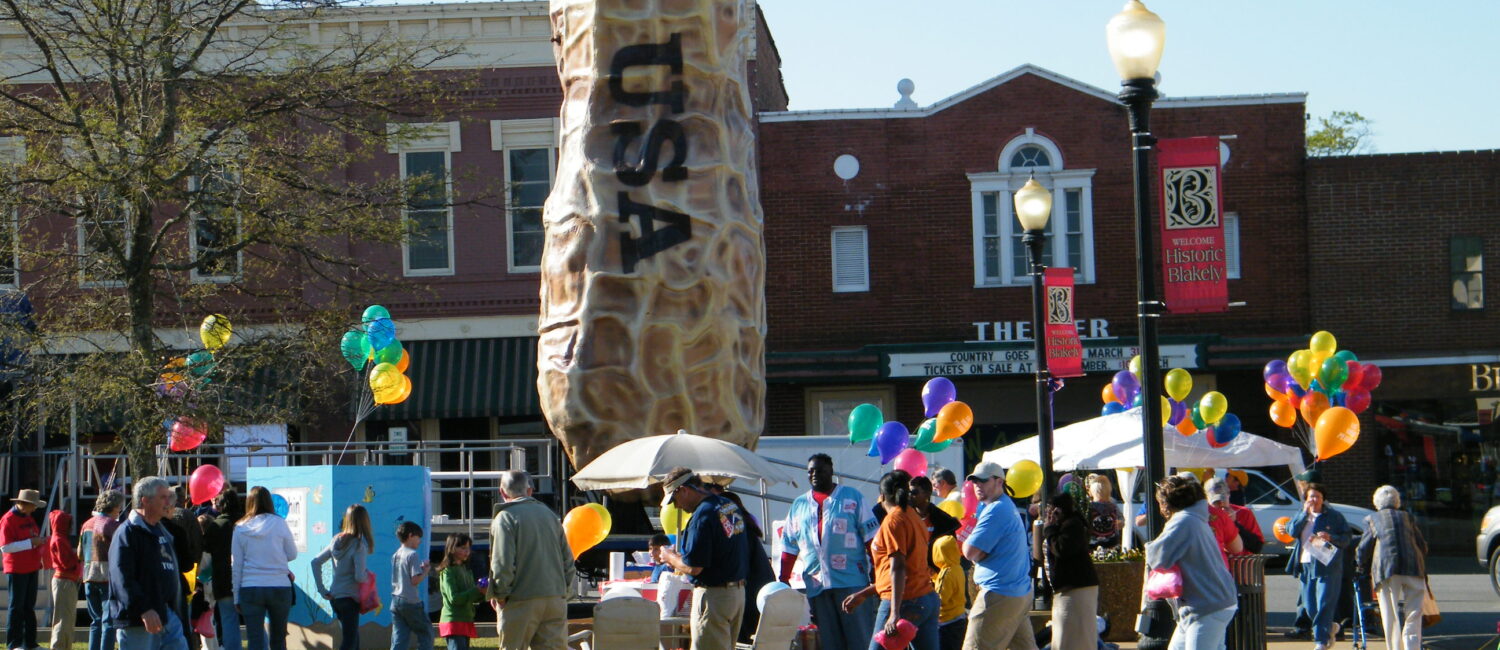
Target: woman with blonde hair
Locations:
point(1104, 518)
point(349, 551)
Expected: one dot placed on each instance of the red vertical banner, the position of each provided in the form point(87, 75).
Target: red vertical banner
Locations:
point(1064, 350)
point(1194, 268)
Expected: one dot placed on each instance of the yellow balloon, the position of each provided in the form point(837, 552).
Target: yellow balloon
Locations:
point(1296, 366)
point(1212, 406)
point(954, 509)
point(215, 331)
point(1315, 365)
point(1024, 478)
point(1179, 383)
point(1135, 365)
point(1323, 342)
point(1166, 410)
point(673, 519)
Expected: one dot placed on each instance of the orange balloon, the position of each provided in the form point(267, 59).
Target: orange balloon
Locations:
point(1275, 394)
point(400, 394)
point(1335, 432)
point(953, 421)
point(1279, 529)
point(1108, 394)
point(1186, 427)
point(1314, 404)
point(1283, 414)
point(584, 529)
point(405, 361)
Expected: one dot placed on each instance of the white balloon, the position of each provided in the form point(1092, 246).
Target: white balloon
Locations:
point(766, 591)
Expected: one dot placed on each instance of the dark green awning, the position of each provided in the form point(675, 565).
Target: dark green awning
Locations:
point(466, 378)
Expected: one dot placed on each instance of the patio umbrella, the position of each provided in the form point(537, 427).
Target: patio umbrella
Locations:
point(641, 463)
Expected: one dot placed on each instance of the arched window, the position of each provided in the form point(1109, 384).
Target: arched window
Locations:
point(999, 256)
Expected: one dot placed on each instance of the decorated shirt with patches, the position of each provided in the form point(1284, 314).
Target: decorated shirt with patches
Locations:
point(715, 541)
point(831, 549)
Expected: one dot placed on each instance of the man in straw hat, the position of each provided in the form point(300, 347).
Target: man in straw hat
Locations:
point(22, 542)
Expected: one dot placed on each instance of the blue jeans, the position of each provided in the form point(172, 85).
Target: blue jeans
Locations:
point(259, 603)
point(1320, 595)
point(1198, 631)
point(410, 620)
point(101, 634)
point(21, 622)
point(347, 611)
point(922, 611)
point(170, 638)
point(837, 629)
point(228, 621)
point(457, 642)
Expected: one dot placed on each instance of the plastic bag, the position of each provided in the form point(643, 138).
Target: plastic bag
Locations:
point(369, 599)
point(1164, 583)
point(671, 592)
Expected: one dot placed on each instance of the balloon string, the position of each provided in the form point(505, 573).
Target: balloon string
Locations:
point(365, 407)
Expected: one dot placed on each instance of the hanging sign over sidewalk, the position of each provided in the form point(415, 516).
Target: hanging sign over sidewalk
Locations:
point(1194, 272)
point(1064, 350)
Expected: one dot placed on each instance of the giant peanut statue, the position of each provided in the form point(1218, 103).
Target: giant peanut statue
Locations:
point(653, 272)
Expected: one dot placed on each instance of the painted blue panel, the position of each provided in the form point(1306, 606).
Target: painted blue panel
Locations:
point(316, 498)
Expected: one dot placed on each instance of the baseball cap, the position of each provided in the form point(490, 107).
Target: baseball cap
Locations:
point(986, 471)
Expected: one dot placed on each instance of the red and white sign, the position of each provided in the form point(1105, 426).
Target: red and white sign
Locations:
point(1194, 269)
point(1064, 350)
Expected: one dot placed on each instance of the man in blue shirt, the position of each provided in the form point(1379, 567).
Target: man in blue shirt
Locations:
point(1002, 568)
point(829, 529)
point(715, 557)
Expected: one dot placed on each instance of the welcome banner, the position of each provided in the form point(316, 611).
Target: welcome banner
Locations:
point(1064, 350)
point(1194, 269)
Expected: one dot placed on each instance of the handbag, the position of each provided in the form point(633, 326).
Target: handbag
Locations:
point(1430, 614)
point(369, 599)
point(1162, 584)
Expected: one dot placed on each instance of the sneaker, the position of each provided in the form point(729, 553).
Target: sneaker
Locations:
point(1319, 646)
point(1297, 633)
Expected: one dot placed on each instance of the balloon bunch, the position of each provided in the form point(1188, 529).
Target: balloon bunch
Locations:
point(1327, 387)
point(586, 526)
point(1210, 414)
point(375, 342)
point(947, 420)
point(183, 374)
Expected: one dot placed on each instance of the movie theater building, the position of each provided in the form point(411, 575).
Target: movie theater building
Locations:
point(895, 256)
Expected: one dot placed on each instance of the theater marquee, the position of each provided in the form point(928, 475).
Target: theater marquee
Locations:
point(961, 362)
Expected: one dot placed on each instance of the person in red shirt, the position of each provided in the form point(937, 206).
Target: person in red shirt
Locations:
point(67, 572)
point(1220, 495)
point(1221, 519)
point(22, 542)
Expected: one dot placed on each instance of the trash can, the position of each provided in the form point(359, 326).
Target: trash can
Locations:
point(1247, 631)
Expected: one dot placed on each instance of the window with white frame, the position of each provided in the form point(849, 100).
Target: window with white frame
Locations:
point(215, 226)
point(999, 254)
point(426, 162)
point(1232, 245)
point(529, 148)
point(851, 259)
point(1466, 266)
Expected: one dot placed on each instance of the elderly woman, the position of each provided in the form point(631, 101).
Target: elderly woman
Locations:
point(1393, 553)
point(1318, 560)
point(1187, 543)
point(1075, 602)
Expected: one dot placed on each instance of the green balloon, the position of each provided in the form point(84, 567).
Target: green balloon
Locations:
point(389, 354)
point(356, 348)
point(925, 434)
point(1333, 372)
point(374, 312)
point(1198, 418)
point(200, 363)
point(864, 421)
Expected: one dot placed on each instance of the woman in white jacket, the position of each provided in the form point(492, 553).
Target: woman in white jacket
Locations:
point(262, 551)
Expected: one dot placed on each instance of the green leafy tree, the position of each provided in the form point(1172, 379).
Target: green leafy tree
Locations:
point(1342, 133)
point(193, 157)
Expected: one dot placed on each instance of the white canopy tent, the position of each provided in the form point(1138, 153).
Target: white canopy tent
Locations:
point(1114, 442)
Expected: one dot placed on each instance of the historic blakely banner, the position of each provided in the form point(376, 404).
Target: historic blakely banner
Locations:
point(653, 272)
point(1064, 350)
point(1194, 269)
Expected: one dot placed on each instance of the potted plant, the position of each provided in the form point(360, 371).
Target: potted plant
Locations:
point(1120, 574)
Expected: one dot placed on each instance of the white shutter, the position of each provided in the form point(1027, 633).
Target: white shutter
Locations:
point(851, 259)
point(1232, 244)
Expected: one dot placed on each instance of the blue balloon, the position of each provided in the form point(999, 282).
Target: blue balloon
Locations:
point(892, 438)
point(279, 503)
point(1227, 428)
point(1112, 408)
point(382, 333)
point(874, 451)
point(766, 591)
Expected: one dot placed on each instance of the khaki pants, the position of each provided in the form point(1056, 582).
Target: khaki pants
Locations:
point(1403, 629)
point(64, 613)
point(1075, 619)
point(538, 623)
point(717, 612)
point(1000, 622)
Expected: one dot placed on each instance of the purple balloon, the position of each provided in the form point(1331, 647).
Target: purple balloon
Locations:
point(937, 393)
point(890, 440)
point(1279, 381)
point(1274, 367)
point(1179, 411)
point(1126, 386)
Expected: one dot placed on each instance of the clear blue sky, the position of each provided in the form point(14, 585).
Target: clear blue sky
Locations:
point(1424, 73)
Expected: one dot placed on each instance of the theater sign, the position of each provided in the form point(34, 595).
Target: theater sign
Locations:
point(961, 361)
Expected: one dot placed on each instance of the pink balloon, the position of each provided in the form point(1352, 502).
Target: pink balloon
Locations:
point(205, 483)
point(912, 462)
point(970, 499)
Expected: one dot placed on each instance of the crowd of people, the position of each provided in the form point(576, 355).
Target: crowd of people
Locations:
point(898, 568)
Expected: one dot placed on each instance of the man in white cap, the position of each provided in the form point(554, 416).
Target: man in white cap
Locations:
point(1002, 568)
point(22, 542)
point(715, 557)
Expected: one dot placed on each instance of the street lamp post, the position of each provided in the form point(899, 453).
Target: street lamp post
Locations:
point(1135, 37)
point(1033, 208)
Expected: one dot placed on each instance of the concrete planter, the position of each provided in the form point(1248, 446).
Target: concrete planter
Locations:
point(1120, 596)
